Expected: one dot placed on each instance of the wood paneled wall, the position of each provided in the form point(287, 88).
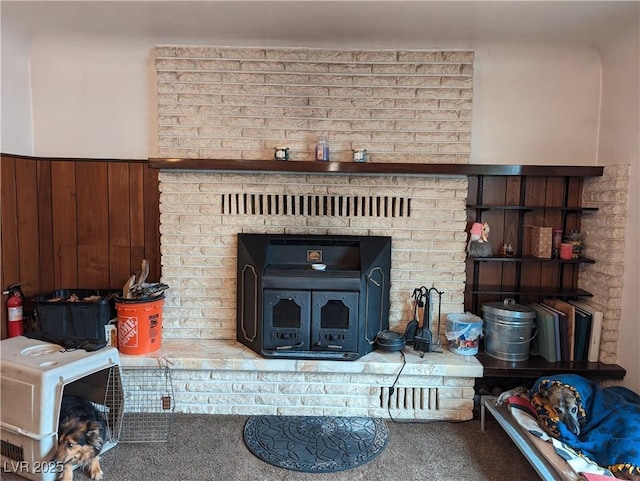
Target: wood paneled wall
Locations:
point(77, 223)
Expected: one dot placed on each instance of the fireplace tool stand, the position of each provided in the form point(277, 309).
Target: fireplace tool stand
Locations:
point(425, 340)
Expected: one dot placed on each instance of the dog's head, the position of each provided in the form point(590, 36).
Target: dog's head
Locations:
point(564, 402)
point(79, 442)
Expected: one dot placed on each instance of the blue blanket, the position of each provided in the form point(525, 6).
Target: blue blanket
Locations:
point(609, 422)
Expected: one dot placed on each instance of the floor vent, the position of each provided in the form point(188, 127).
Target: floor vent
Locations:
point(316, 205)
point(11, 451)
point(409, 398)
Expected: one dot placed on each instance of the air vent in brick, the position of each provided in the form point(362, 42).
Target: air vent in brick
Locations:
point(409, 398)
point(316, 205)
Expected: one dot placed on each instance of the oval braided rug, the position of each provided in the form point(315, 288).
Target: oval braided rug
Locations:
point(315, 444)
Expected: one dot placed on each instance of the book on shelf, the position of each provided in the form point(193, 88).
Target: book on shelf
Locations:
point(553, 320)
point(569, 311)
point(561, 327)
point(583, 328)
point(545, 324)
point(595, 331)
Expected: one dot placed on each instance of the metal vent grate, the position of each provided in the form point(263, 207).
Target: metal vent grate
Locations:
point(11, 451)
point(409, 398)
point(316, 205)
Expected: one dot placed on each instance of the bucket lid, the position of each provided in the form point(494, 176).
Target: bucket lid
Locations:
point(508, 307)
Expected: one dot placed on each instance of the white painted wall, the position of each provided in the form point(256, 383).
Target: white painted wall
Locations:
point(619, 144)
point(16, 131)
point(535, 105)
point(93, 98)
point(532, 104)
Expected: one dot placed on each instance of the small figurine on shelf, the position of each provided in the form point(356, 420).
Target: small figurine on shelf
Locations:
point(478, 245)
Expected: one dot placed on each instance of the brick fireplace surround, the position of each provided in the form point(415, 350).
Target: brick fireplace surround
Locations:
point(240, 103)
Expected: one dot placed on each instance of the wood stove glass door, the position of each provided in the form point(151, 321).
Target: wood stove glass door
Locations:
point(286, 323)
point(334, 321)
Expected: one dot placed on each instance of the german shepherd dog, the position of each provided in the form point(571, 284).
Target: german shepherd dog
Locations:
point(562, 399)
point(81, 435)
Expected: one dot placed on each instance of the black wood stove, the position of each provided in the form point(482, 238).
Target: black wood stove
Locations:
point(312, 297)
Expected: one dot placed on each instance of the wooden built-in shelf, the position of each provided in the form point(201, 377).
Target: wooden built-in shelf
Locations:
point(537, 366)
point(555, 260)
point(387, 168)
point(499, 290)
point(527, 208)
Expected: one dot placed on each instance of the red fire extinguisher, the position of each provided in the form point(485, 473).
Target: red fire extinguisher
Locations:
point(15, 324)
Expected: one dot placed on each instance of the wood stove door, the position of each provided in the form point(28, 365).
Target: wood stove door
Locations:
point(286, 321)
point(334, 325)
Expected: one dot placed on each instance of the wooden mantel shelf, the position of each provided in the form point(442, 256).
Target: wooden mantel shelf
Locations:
point(372, 168)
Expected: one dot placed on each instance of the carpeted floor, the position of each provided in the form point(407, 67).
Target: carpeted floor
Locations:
point(211, 448)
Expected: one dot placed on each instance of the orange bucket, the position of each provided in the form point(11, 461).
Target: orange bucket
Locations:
point(139, 325)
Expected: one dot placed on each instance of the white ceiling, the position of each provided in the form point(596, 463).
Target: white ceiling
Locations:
point(375, 24)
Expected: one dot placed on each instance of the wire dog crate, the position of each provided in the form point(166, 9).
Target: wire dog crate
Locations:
point(148, 404)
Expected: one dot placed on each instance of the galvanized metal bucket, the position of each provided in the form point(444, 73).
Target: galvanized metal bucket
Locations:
point(508, 330)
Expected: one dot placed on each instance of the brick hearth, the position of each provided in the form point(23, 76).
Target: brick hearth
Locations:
point(224, 377)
